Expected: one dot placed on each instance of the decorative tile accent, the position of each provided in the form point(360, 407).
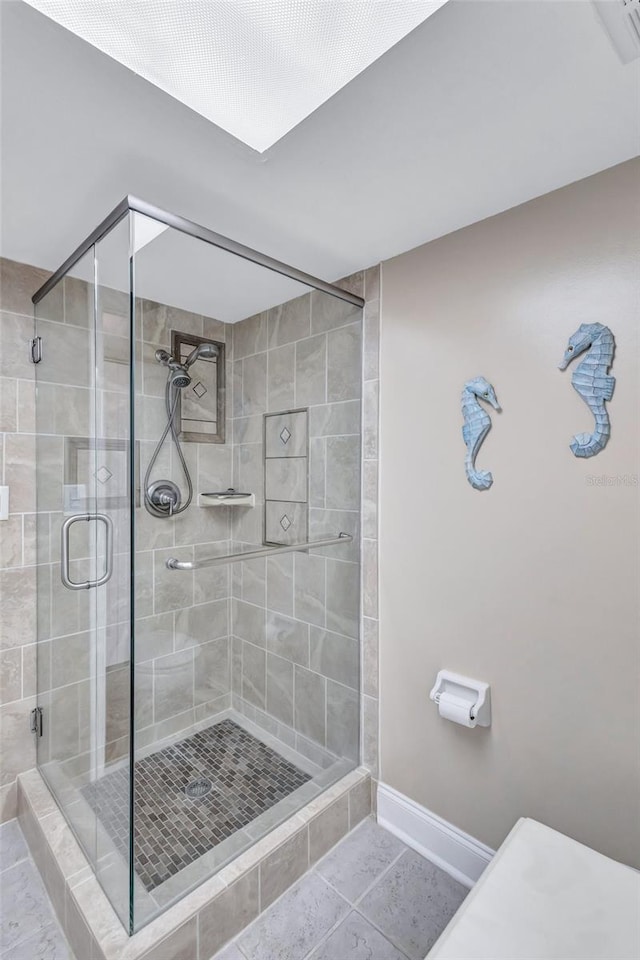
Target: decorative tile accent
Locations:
point(103, 475)
point(295, 425)
point(199, 389)
point(296, 531)
point(172, 830)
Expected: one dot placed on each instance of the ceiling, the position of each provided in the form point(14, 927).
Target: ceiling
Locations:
point(262, 67)
point(487, 104)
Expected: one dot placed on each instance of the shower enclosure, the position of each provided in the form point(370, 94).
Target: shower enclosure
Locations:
point(198, 558)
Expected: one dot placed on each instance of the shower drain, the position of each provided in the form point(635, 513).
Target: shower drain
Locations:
point(198, 788)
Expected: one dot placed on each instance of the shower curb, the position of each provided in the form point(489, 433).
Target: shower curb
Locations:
point(199, 924)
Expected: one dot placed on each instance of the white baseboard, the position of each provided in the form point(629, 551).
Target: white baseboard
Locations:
point(451, 849)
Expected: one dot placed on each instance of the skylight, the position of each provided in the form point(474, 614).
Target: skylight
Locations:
point(256, 68)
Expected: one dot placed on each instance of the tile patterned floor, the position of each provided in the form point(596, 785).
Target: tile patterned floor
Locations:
point(370, 898)
point(28, 926)
point(173, 830)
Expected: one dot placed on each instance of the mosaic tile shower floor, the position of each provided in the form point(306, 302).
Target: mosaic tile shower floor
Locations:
point(172, 829)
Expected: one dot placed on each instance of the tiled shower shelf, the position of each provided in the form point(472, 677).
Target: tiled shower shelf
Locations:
point(201, 922)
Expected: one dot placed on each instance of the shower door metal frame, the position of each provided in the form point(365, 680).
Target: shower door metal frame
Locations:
point(132, 204)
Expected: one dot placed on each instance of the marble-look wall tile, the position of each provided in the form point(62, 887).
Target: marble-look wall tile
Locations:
point(344, 363)
point(280, 584)
point(286, 435)
point(370, 734)
point(281, 377)
point(18, 283)
point(335, 419)
point(8, 405)
point(15, 333)
point(229, 913)
point(310, 588)
point(371, 340)
point(335, 656)
point(201, 624)
point(248, 622)
point(212, 670)
point(342, 473)
point(173, 684)
point(158, 320)
point(370, 578)
point(18, 620)
point(359, 803)
point(153, 636)
point(289, 321)
point(18, 746)
point(343, 603)
point(249, 336)
point(254, 385)
point(286, 479)
point(310, 704)
point(254, 680)
point(370, 420)
point(280, 869)
point(311, 371)
point(11, 541)
point(10, 675)
point(327, 828)
point(372, 283)
point(248, 470)
point(279, 701)
point(370, 656)
point(172, 590)
point(329, 312)
point(370, 499)
point(343, 734)
point(254, 581)
point(317, 471)
point(286, 521)
point(287, 638)
point(19, 473)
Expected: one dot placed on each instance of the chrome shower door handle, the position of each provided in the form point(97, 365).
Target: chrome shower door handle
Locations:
point(64, 565)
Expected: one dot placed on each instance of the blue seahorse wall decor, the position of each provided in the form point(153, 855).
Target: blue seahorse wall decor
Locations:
point(477, 424)
point(591, 381)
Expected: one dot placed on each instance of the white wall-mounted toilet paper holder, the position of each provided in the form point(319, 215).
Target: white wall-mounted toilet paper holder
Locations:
point(462, 699)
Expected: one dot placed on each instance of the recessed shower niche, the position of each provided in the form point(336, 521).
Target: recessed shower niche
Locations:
point(198, 671)
point(201, 408)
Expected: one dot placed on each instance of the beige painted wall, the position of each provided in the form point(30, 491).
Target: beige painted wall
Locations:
point(533, 585)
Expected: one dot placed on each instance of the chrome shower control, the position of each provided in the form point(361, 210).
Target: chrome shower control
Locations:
point(163, 498)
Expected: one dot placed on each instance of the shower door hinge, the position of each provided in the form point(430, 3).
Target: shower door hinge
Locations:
point(36, 350)
point(36, 721)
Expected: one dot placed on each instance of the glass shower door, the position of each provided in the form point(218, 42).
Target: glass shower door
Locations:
point(82, 456)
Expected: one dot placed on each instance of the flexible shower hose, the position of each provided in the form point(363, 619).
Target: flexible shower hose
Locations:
point(171, 407)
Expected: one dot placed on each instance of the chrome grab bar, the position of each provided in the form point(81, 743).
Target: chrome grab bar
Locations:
point(174, 564)
point(64, 565)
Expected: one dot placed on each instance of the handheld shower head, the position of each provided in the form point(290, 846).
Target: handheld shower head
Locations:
point(204, 351)
point(178, 377)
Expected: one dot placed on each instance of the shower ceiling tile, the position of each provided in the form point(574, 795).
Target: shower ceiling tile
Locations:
point(256, 68)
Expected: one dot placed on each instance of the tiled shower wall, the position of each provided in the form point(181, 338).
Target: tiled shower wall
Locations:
point(296, 618)
point(18, 534)
point(182, 619)
point(183, 665)
point(183, 669)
